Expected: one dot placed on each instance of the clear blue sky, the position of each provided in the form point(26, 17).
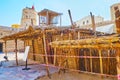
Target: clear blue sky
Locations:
point(11, 10)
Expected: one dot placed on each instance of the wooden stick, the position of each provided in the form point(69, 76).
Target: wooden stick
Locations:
point(5, 49)
point(93, 23)
point(108, 61)
point(54, 55)
point(78, 35)
point(33, 49)
point(24, 45)
point(46, 57)
point(91, 60)
point(118, 63)
point(101, 66)
point(16, 52)
point(85, 60)
point(71, 19)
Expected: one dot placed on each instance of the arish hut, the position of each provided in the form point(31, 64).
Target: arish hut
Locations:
point(69, 48)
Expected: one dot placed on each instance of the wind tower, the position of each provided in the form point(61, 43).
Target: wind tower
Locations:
point(29, 17)
point(115, 16)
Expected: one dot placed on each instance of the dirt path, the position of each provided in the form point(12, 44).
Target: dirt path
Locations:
point(75, 76)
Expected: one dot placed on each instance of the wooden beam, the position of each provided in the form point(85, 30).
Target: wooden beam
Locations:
point(16, 56)
point(118, 62)
point(93, 23)
point(101, 65)
point(55, 56)
point(85, 52)
point(33, 49)
point(46, 57)
point(60, 21)
point(71, 19)
point(5, 48)
point(91, 59)
point(78, 35)
point(47, 17)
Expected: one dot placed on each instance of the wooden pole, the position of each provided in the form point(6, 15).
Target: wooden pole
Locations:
point(46, 57)
point(33, 50)
point(71, 19)
point(69, 35)
point(78, 35)
point(54, 55)
point(5, 48)
point(47, 17)
point(85, 59)
point(91, 60)
point(108, 61)
point(118, 63)
point(60, 20)
point(101, 66)
point(24, 45)
point(16, 52)
point(93, 23)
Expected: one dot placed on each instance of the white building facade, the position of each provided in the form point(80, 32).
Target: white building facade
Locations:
point(87, 21)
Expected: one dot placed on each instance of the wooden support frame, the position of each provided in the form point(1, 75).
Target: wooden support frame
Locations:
point(16, 56)
point(55, 56)
point(118, 63)
point(60, 20)
point(5, 48)
point(93, 24)
point(91, 67)
point(101, 65)
point(78, 35)
point(85, 52)
point(46, 57)
point(33, 49)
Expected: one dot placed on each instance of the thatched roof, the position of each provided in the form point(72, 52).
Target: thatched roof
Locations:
point(52, 13)
point(34, 32)
point(105, 41)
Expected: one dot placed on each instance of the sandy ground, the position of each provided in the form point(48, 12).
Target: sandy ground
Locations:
point(38, 72)
point(12, 60)
point(16, 73)
point(9, 70)
point(75, 76)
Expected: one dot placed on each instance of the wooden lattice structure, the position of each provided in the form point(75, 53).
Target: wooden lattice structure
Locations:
point(96, 55)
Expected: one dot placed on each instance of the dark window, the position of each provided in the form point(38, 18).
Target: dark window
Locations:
point(87, 21)
point(115, 8)
point(1, 47)
point(83, 22)
point(1, 34)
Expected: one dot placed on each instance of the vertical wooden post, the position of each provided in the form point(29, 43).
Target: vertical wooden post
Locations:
point(5, 48)
point(47, 17)
point(16, 52)
point(101, 66)
point(91, 60)
point(78, 35)
point(60, 20)
point(54, 55)
point(108, 61)
point(85, 59)
point(118, 62)
point(71, 19)
point(33, 50)
point(93, 23)
point(46, 57)
point(24, 45)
